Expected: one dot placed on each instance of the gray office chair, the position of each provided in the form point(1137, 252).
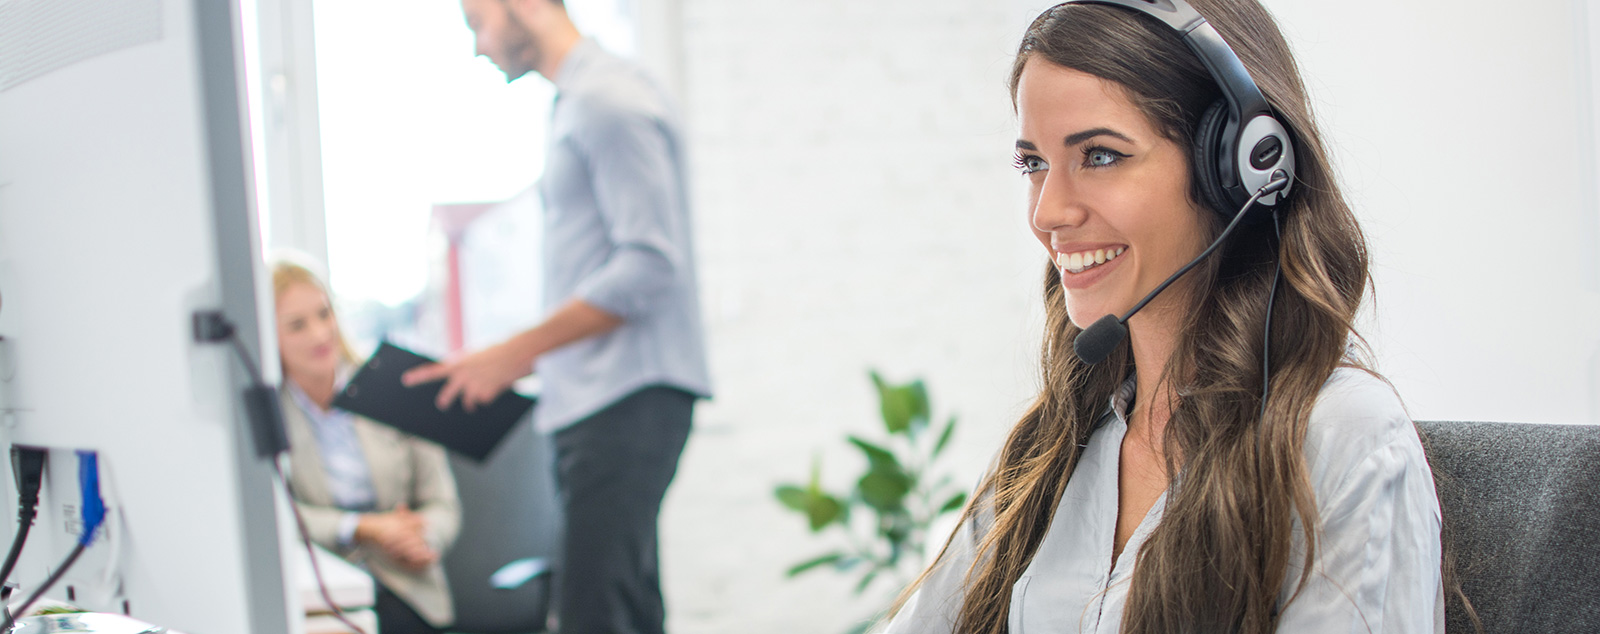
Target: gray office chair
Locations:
point(1521, 509)
point(509, 526)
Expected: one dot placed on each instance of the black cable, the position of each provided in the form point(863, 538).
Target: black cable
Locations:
point(260, 399)
point(212, 327)
point(10, 618)
point(1237, 219)
point(311, 554)
point(28, 462)
point(24, 524)
point(244, 358)
point(1266, 332)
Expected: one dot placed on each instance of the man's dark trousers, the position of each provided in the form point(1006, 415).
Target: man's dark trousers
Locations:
point(613, 469)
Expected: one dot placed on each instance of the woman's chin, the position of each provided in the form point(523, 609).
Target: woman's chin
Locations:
point(1085, 316)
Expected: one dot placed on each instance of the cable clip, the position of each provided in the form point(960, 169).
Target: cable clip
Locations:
point(211, 326)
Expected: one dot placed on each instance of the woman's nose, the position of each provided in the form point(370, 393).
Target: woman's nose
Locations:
point(325, 329)
point(1056, 204)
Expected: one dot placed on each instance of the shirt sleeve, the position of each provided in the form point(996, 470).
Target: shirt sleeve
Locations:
point(634, 175)
point(1377, 568)
point(347, 530)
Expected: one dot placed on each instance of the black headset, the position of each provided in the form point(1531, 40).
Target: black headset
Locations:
point(1240, 145)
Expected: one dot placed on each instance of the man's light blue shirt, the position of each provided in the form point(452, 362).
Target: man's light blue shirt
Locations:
point(617, 235)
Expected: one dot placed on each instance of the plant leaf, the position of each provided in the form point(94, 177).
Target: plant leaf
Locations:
point(954, 503)
point(896, 405)
point(877, 456)
point(813, 563)
point(886, 483)
point(944, 437)
point(885, 489)
point(822, 510)
point(916, 395)
point(792, 497)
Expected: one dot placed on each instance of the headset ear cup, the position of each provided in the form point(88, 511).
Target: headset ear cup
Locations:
point(1207, 151)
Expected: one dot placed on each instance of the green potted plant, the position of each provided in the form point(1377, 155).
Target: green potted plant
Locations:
point(882, 523)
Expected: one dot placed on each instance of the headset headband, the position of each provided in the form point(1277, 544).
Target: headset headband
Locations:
point(1244, 99)
point(1254, 144)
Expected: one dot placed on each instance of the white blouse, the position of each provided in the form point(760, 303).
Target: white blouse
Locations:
point(1377, 567)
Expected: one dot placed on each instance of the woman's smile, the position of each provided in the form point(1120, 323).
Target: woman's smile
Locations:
point(1080, 261)
point(1082, 268)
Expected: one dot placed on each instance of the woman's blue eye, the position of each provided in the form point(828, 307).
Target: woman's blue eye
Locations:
point(1031, 164)
point(1101, 157)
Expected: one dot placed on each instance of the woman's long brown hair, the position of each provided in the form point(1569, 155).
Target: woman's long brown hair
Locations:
point(1224, 548)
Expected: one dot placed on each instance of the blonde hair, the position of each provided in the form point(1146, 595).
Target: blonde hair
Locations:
point(286, 274)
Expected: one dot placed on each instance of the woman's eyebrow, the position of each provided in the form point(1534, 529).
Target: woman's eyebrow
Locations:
point(1080, 137)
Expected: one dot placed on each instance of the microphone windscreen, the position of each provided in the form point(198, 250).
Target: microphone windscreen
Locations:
point(1097, 341)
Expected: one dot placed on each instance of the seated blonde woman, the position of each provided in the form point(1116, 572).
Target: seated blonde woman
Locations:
point(383, 499)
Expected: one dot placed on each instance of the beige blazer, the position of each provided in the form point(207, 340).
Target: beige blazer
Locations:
point(404, 469)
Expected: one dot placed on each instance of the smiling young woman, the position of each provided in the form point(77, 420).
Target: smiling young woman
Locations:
point(1156, 491)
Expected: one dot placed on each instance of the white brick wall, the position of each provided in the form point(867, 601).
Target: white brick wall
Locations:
point(856, 208)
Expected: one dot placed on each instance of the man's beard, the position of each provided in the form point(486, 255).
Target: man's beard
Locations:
point(521, 51)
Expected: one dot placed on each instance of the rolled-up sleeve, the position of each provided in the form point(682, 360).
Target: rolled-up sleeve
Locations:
point(630, 158)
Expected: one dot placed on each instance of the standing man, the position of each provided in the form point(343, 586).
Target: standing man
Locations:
point(620, 351)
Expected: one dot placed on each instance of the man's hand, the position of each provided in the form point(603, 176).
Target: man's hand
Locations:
point(477, 378)
point(400, 534)
point(481, 376)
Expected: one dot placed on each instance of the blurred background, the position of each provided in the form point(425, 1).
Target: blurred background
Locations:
point(856, 209)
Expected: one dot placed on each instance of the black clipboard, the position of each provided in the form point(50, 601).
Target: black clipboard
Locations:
point(377, 393)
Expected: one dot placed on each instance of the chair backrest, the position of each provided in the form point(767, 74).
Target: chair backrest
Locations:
point(508, 513)
point(1521, 507)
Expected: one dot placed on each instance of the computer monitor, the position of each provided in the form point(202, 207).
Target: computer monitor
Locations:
point(126, 207)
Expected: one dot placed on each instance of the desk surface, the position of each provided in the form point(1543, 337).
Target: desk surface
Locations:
point(350, 587)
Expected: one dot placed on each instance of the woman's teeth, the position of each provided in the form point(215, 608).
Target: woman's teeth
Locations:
point(1085, 260)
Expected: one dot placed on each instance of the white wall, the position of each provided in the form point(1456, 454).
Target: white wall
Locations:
point(1466, 142)
point(856, 207)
